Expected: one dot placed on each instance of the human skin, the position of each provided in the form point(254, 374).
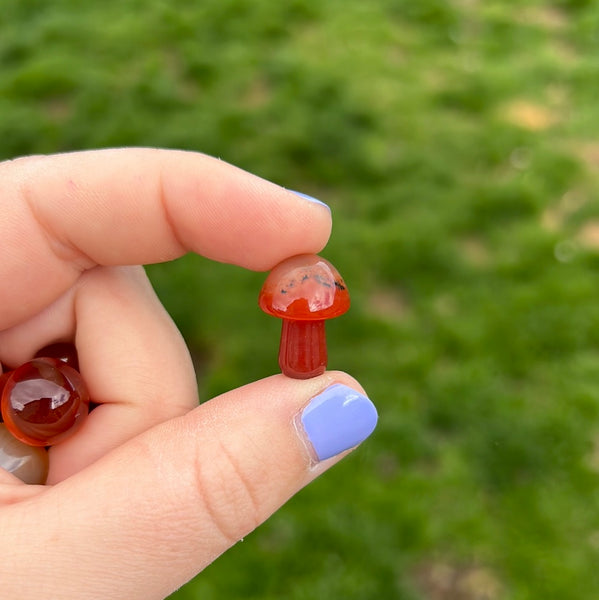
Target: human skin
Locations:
point(153, 487)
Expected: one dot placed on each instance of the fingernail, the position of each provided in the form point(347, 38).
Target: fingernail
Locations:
point(311, 199)
point(338, 419)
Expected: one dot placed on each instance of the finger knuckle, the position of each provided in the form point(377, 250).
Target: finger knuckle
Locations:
point(228, 494)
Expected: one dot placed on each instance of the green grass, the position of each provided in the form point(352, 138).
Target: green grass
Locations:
point(457, 145)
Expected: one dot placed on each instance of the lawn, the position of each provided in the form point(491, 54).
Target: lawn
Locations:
point(457, 143)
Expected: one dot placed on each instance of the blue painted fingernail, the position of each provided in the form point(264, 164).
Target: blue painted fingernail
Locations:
point(338, 419)
point(311, 199)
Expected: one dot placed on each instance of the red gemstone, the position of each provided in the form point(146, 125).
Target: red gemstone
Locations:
point(3, 379)
point(63, 351)
point(304, 291)
point(44, 402)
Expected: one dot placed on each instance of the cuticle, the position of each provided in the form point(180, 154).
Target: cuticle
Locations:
point(314, 461)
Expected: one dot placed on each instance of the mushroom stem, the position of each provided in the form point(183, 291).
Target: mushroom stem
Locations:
point(303, 349)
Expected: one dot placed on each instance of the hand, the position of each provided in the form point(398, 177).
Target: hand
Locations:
point(152, 488)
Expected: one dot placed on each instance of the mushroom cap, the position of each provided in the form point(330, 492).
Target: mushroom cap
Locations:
point(304, 288)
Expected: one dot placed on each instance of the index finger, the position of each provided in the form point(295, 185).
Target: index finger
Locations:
point(65, 213)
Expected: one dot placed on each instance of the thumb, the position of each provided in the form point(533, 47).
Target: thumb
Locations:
point(149, 516)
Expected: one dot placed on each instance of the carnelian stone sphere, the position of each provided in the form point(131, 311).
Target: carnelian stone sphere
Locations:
point(304, 288)
point(63, 351)
point(3, 379)
point(44, 401)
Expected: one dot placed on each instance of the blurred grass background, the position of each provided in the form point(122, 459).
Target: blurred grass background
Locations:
point(457, 144)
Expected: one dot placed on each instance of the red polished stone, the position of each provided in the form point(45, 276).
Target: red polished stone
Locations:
point(63, 351)
point(44, 401)
point(304, 291)
point(3, 379)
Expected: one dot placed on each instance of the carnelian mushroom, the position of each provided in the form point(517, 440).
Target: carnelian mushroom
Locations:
point(304, 291)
